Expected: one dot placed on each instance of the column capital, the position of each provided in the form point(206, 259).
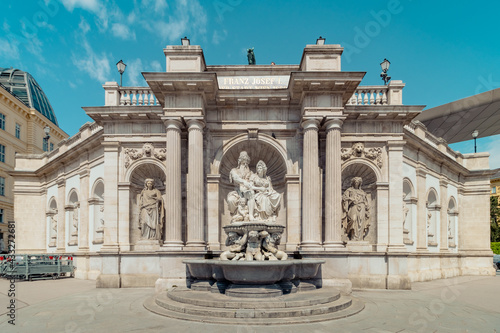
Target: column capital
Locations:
point(194, 123)
point(396, 144)
point(334, 123)
point(310, 123)
point(172, 123)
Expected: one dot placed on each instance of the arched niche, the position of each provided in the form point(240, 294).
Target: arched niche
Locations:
point(370, 176)
point(51, 220)
point(409, 212)
point(73, 216)
point(432, 218)
point(264, 148)
point(452, 223)
point(96, 208)
point(136, 176)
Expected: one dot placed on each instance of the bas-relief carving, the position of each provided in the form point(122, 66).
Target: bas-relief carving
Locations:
point(358, 150)
point(254, 206)
point(151, 211)
point(355, 212)
point(148, 150)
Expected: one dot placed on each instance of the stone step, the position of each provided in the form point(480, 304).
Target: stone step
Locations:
point(207, 299)
point(268, 312)
point(245, 315)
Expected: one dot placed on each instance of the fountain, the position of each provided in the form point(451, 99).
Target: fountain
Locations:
point(253, 278)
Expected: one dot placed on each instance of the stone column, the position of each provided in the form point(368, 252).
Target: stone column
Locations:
point(111, 158)
point(421, 210)
point(61, 215)
point(395, 166)
point(213, 212)
point(195, 187)
point(292, 212)
point(333, 185)
point(124, 225)
point(173, 191)
point(443, 218)
point(311, 187)
point(83, 232)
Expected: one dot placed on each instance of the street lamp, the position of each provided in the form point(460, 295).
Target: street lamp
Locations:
point(385, 67)
point(121, 68)
point(46, 138)
point(475, 134)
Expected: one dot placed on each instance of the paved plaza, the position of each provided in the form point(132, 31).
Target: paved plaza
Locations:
point(461, 304)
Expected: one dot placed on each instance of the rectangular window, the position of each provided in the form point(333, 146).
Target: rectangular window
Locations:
point(2, 153)
point(494, 190)
point(2, 121)
point(1, 215)
point(51, 146)
point(18, 131)
point(45, 145)
point(2, 186)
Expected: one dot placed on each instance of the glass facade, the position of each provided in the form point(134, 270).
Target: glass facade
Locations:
point(27, 90)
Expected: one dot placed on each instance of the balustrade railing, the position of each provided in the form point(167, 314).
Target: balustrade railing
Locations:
point(370, 95)
point(142, 96)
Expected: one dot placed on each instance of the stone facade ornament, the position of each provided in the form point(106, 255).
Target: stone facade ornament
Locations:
point(53, 227)
point(355, 212)
point(254, 206)
point(151, 211)
point(358, 150)
point(75, 216)
point(148, 150)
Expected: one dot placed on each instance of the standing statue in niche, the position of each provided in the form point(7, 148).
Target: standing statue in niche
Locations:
point(151, 211)
point(75, 218)
point(240, 176)
point(405, 211)
point(355, 211)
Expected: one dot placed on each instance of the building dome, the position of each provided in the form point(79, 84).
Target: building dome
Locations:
point(22, 85)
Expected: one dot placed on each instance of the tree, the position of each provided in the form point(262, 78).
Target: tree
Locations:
point(494, 219)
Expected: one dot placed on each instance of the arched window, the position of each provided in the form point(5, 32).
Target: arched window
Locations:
point(452, 223)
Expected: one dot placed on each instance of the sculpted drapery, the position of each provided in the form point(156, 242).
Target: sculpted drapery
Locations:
point(151, 211)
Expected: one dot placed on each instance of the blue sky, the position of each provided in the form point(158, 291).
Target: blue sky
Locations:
point(443, 51)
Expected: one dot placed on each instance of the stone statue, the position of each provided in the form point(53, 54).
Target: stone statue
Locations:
point(268, 201)
point(254, 245)
point(251, 56)
point(240, 176)
point(236, 244)
point(151, 211)
point(254, 197)
point(355, 211)
point(405, 211)
point(270, 245)
point(75, 218)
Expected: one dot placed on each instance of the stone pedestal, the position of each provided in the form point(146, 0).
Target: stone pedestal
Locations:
point(361, 246)
point(147, 245)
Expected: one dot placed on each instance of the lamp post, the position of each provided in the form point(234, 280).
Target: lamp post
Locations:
point(121, 68)
point(385, 67)
point(475, 134)
point(46, 138)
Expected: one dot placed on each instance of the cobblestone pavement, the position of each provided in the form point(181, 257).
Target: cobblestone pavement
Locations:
point(462, 304)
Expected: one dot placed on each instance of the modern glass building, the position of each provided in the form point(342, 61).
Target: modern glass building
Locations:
point(24, 86)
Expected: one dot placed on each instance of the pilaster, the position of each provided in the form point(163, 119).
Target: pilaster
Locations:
point(421, 209)
point(111, 158)
point(395, 166)
point(84, 211)
point(61, 215)
point(443, 230)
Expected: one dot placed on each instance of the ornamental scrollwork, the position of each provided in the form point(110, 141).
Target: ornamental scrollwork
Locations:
point(358, 150)
point(147, 150)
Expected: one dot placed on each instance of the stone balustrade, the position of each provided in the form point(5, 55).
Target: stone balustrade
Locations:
point(135, 96)
point(390, 94)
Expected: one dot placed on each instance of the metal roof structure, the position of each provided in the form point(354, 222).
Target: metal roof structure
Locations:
point(24, 86)
point(456, 121)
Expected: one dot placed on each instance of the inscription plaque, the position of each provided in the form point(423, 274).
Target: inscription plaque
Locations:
point(253, 82)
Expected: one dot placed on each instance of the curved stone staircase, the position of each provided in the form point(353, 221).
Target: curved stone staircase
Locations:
point(301, 307)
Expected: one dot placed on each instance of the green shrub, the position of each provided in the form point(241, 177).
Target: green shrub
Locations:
point(495, 247)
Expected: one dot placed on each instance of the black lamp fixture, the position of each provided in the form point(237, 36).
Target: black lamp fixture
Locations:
point(185, 41)
point(475, 134)
point(46, 138)
point(385, 67)
point(320, 41)
point(121, 68)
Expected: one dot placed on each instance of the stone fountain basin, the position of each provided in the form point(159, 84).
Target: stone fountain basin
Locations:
point(253, 272)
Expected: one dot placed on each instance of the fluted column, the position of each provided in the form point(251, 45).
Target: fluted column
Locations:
point(333, 185)
point(195, 189)
point(173, 224)
point(421, 210)
point(311, 223)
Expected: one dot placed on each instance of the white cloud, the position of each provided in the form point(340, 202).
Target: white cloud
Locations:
point(90, 5)
point(219, 36)
point(134, 77)
point(156, 66)
point(8, 49)
point(97, 66)
point(84, 26)
point(122, 31)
